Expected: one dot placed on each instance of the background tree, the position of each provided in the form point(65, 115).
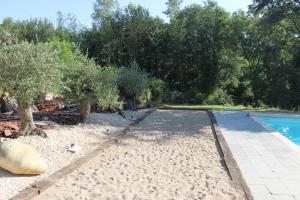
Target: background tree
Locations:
point(173, 8)
point(103, 11)
point(68, 27)
point(130, 35)
point(33, 30)
point(274, 11)
point(272, 37)
point(26, 69)
point(195, 45)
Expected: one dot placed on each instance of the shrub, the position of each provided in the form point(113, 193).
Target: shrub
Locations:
point(173, 96)
point(188, 97)
point(157, 90)
point(218, 97)
point(153, 95)
point(7, 38)
point(144, 98)
point(107, 92)
point(261, 105)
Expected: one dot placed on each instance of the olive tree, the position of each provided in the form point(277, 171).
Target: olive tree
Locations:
point(80, 79)
point(132, 82)
point(88, 83)
point(26, 69)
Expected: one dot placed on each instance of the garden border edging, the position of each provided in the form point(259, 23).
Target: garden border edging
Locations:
point(231, 164)
point(226, 154)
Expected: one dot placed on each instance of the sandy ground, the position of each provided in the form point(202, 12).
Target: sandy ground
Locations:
point(53, 149)
point(170, 155)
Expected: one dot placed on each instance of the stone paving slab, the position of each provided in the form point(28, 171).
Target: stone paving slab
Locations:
point(271, 168)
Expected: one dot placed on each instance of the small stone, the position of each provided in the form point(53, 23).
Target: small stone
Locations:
point(45, 118)
point(7, 133)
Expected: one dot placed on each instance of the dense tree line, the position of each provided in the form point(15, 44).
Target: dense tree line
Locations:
point(203, 54)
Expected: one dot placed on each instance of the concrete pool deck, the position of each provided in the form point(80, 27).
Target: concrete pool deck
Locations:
point(269, 166)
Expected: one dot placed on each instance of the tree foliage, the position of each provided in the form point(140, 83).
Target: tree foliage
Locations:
point(80, 78)
point(7, 38)
point(18, 63)
point(87, 83)
point(132, 81)
point(107, 93)
point(274, 11)
point(173, 8)
point(103, 11)
point(33, 30)
point(26, 69)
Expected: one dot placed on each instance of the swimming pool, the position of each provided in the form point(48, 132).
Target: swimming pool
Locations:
point(287, 126)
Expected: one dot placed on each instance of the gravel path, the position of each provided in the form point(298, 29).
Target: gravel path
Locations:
point(170, 155)
point(54, 148)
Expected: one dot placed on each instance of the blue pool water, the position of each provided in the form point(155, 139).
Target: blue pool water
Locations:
point(289, 127)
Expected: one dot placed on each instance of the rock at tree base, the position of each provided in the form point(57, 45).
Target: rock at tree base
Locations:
point(8, 104)
point(20, 158)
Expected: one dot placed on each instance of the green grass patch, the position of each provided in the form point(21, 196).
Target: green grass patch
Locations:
point(224, 107)
point(208, 107)
point(277, 110)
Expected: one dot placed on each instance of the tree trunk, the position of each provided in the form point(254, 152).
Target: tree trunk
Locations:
point(27, 125)
point(131, 104)
point(134, 104)
point(128, 103)
point(85, 111)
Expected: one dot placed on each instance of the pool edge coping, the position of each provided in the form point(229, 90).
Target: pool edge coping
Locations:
point(278, 135)
point(286, 146)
